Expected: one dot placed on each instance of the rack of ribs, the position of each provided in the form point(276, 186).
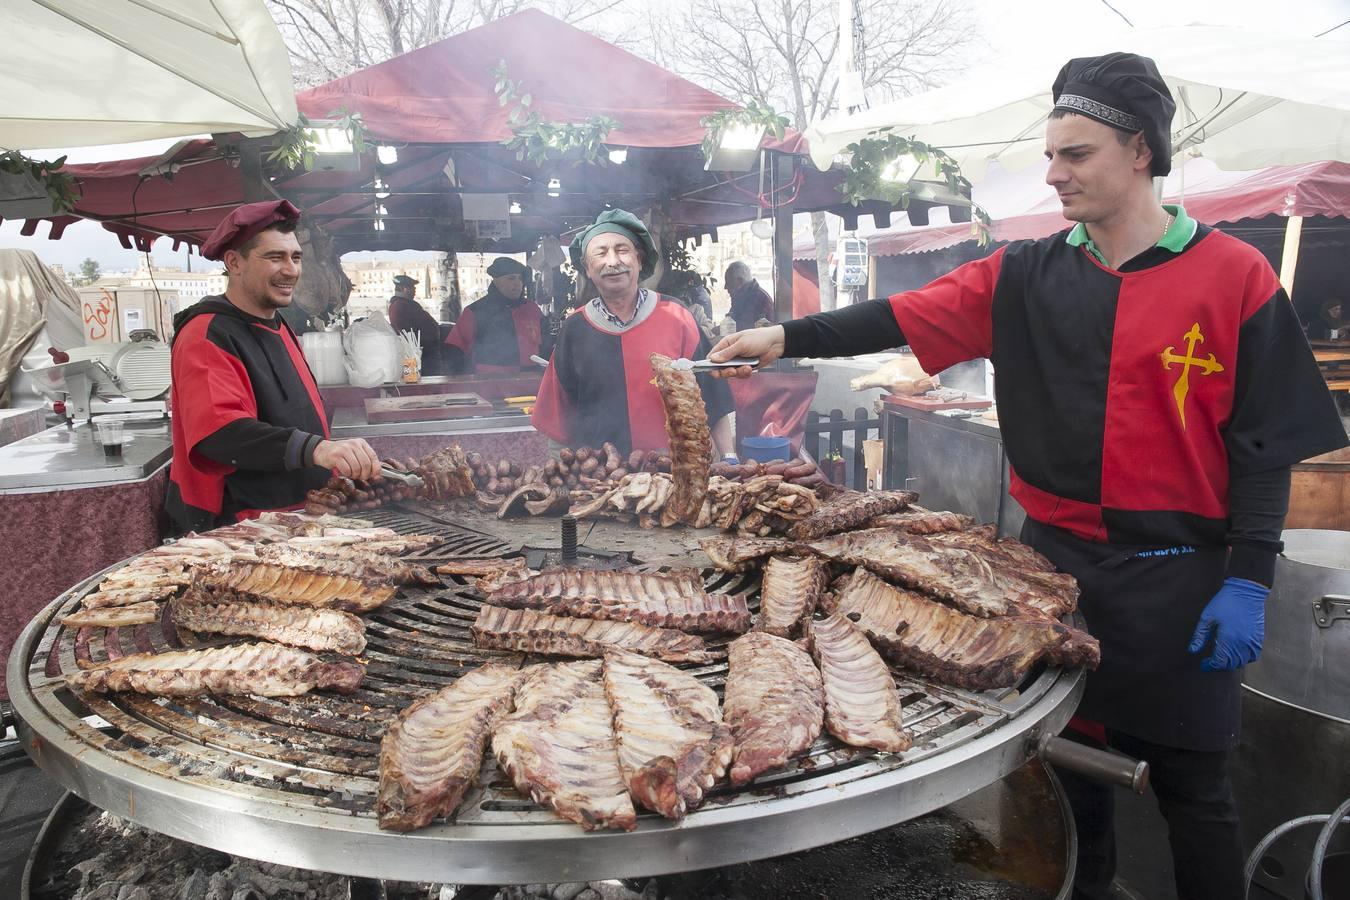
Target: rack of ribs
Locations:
point(941, 643)
point(774, 703)
point(971, 580)
point(673, 599)
point(739, 554)
point(351, 560)
point(433, 751)
point(917, 520)
point(848, 510)
point(862, 706)
point(264, 670)
point(690, 440)
point(671, 741)
point(558, 746)
point(114, 616)
point(302, 585)
point(788, 593)
point(530, 631)
point(296, 626)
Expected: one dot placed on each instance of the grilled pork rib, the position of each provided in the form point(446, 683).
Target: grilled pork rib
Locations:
point(105, 597)
point(671, 742)
point(774, 703)
point(301, 585)
point(668, 600)
point(921, 521)
point(790, 588)
point(351, 560)
point(265, 670)
point(113, 616)
point(558, 746)
point(970, 580)
point(433, 751)
point(862, 706)
point(536, 632)
point(954, 648)
point(738, 554)
point(848, 510)
point(296, 626)
point(690, 440)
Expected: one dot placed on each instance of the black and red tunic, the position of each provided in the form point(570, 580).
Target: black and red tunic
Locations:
point(1150, 415)
point(599, 384)
point(497, 335)
point(246, 417)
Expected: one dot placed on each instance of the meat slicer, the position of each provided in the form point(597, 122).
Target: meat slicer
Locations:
point(97, 379)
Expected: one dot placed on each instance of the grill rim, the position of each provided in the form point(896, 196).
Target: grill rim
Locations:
point(245, 819)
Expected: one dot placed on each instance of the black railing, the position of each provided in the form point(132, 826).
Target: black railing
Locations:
point(833, 428)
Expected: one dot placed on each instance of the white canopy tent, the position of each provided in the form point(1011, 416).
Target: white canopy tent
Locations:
point(1244, 100)
point(85, 72)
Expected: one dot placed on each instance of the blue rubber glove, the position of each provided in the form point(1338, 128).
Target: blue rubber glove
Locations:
point(1236, 619)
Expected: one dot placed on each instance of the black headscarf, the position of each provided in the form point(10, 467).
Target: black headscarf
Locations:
point(1125, 91)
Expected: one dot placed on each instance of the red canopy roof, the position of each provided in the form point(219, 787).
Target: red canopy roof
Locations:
point(1312, 189)
point(444, 93)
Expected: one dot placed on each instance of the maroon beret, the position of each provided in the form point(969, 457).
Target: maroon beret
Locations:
point(245, 222)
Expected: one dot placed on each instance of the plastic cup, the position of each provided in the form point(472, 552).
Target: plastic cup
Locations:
point(109, 433)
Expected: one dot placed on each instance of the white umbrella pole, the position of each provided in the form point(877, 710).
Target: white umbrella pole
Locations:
point(1293, 236)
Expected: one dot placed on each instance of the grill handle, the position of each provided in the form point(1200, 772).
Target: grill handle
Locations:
point(1099, 765)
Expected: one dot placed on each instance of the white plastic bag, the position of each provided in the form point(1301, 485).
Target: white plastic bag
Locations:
point(371, 352)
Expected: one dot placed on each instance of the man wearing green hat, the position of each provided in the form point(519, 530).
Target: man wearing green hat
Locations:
point(500, 331)
point(599, 387)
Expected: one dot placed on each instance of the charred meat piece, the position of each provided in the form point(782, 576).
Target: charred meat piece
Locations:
point(951, 647)
point(536, 632)
point(850, 509)
point(972, 581)
point(690, 440)
point(264, 670)
point(295, 626)
point(315, 586)
point(514, 504)
point(774, 703)
point(558, 746)
point(862, 706)
point(114, 616)
point(738, 554)
point(788, 593)
point(348, 560)
point(433, 751)
point(921, 521)
point(667, 600)
point(672, 744)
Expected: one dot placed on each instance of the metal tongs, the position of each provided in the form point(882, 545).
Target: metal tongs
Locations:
point(408, 478)
point(703, 365)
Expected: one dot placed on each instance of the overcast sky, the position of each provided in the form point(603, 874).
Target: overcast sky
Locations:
point(1006, 26)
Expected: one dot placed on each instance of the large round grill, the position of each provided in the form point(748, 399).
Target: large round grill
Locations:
point(292, 780)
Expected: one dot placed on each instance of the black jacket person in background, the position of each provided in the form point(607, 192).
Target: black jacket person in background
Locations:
point(500, 331)
point(249, 430)
point(1154, 387)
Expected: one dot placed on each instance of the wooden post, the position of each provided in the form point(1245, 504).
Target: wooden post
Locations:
point(782, 164)
point(1293, 236)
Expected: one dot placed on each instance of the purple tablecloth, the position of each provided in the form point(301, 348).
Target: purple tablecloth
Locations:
point(54, 539)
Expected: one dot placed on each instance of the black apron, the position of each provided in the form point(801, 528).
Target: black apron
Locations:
point(1142, 604)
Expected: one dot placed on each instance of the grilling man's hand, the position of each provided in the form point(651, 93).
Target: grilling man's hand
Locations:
point(766, 344)
point(354, 458)
point(1236, 620)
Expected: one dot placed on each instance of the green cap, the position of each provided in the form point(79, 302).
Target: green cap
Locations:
point(617, 221)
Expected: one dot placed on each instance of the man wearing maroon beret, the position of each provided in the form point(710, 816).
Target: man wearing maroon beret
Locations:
point(249, 430)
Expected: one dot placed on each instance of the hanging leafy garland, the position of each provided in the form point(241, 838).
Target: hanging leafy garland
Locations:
point(295, 147)
point(539, 141)
point(752, 114)
point(62, 189)
point(865, 176)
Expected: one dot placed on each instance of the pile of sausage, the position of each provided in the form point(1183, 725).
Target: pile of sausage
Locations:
point(583, 467)
point(798, 471)
point(343, 495)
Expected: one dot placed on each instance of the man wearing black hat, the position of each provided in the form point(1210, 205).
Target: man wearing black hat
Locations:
point(598, 386)
point(500, 331)
point(406, 314)
point(249, 429)
point(1154, 387)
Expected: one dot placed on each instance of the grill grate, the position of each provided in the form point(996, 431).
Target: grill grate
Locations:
point(320, 752)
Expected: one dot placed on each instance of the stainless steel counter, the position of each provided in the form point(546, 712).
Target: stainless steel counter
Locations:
point(63, 457)
point(350, 422)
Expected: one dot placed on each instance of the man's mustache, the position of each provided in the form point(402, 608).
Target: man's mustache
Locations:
point(615, 270)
